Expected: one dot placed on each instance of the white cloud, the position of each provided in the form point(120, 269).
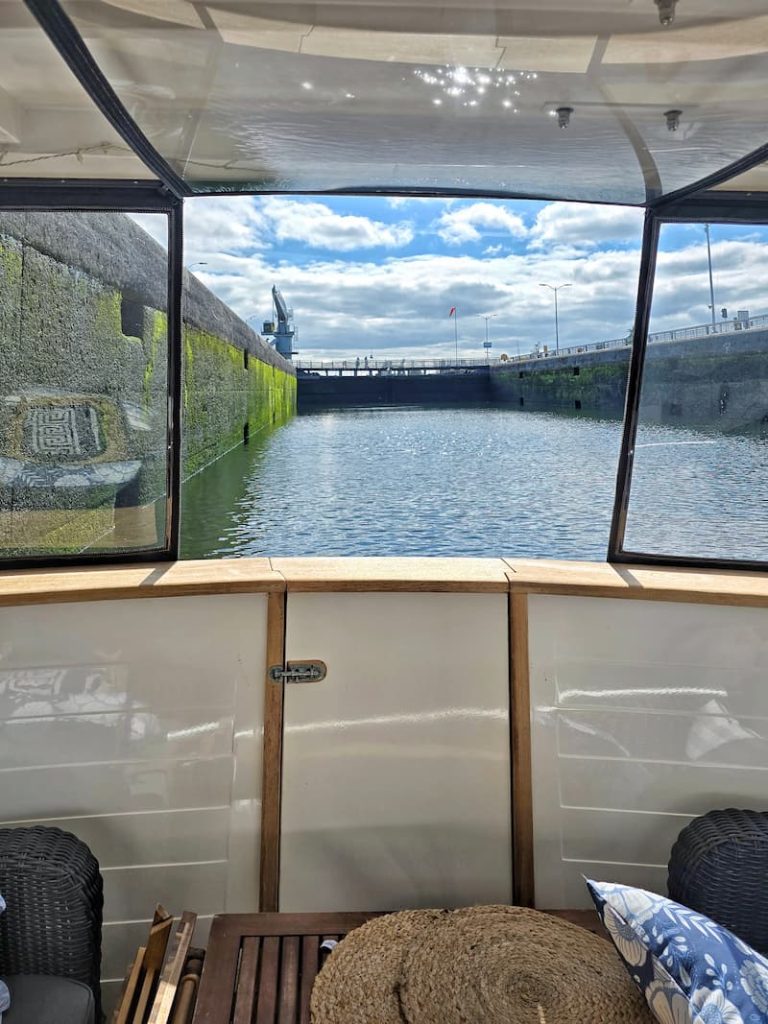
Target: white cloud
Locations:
point(585, 226)
point(395, 202)
point(493, 250)
point(322, 228)
point(242, 224)
point(681, 291)
point(354, 305)
point(470, 223)
point(399, 308)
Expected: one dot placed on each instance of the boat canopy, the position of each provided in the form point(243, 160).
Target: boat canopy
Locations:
point(612, 101)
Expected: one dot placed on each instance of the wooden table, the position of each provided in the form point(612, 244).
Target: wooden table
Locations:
point(260, 968)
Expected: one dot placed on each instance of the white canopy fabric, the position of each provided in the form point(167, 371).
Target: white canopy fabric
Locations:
point(591, 100)
point(49, 126)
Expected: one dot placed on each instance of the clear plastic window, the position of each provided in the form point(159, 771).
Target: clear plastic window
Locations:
point(84, 395)
point(701, 454)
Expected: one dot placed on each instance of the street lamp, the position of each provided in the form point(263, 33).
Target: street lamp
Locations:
point(556, 288)
point(200, 263)
point(487, 317)
point(711, 281)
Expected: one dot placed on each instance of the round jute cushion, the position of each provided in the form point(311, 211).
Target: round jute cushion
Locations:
point(359, 981)
point(495, 965)
point(481, 965)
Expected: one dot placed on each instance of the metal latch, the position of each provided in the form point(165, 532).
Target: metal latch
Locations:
point(298, 672)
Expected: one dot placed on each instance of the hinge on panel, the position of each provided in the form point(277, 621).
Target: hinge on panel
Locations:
point(298, 672)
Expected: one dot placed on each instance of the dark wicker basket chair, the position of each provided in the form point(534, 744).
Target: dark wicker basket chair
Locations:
point(719, 867)
point(53, 889)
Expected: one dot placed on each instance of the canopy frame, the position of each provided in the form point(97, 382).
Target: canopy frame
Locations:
point(694, 203)
point(72, 49)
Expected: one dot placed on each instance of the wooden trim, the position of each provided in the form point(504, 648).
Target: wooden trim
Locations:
point(245, 994)
point(407, 575)
point(216, 994)
point(162, 579)
point(234, 927)
point(173, 969)
point(520, 731)
point(272, 758)
point(413, 575)
point(601, 579)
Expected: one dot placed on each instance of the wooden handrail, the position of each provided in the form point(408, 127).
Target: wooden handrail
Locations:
point(412, 575)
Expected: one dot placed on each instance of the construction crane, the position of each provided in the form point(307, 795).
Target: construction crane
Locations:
point(283, 330)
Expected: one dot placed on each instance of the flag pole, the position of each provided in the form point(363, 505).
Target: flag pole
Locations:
point(456, 331)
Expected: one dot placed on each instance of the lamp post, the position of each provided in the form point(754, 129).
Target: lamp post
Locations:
point(200, 263)
point(556, 288)
point(487, 345)
point(711, 282)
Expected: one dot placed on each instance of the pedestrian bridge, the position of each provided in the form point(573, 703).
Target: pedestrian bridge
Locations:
point(416, 367)
point(391, 367)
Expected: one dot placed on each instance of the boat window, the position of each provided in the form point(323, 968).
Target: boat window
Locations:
point(605, 101)
point(84, 396)
point(461, 372)
point(698, 485)
point(49, 125)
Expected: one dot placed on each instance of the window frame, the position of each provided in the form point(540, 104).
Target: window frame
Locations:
point(43, 196)
point(708, 207)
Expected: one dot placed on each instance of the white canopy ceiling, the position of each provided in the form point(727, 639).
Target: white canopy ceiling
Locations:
point(49, 126)
point(359, 95)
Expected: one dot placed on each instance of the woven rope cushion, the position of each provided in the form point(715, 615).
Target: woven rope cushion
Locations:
point(359, 981)
point(482, 965)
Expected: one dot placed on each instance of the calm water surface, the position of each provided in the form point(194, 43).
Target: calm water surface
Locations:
point(470, 481)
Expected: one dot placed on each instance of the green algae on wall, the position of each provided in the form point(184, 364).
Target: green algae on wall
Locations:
point(63, 348)
point(589, 385)
point(225, 401)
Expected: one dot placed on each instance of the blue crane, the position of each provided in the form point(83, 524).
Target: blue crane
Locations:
point(284, 330)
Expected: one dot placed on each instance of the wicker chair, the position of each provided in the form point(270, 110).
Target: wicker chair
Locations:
point(52, 925)
point(719, 867)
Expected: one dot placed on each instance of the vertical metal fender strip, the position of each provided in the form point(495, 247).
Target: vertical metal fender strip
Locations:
point(634, 384)
point(62, 33)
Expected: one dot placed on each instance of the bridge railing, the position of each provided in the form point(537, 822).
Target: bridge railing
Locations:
point(394, 365)
point(679, 334)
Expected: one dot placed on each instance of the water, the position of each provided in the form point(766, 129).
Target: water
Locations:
point(479, 481)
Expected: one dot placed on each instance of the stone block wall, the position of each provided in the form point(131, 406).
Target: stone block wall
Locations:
point(83, 380)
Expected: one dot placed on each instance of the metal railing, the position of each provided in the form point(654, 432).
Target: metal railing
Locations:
point(392, 364)
point(404, 365)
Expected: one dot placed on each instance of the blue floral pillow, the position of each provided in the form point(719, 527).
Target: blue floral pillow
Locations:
point(690, 969)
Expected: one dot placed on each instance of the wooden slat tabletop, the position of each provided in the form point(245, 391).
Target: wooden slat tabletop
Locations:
point(260, 968)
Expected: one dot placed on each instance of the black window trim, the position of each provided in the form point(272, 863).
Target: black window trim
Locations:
point(138, 197)
point(708, 207)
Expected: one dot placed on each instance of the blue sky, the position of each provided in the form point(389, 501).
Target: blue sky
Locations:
point(368, 275)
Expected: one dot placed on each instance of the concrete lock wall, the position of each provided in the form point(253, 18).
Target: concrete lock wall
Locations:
point(83, 377)
point(720, 380)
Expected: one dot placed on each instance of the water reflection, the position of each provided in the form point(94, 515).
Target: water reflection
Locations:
point(410, 481)
point(480, 481)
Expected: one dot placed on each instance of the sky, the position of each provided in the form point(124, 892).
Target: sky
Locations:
point(378, 276)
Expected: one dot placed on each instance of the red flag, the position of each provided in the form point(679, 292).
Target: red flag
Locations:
point(452, 312)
